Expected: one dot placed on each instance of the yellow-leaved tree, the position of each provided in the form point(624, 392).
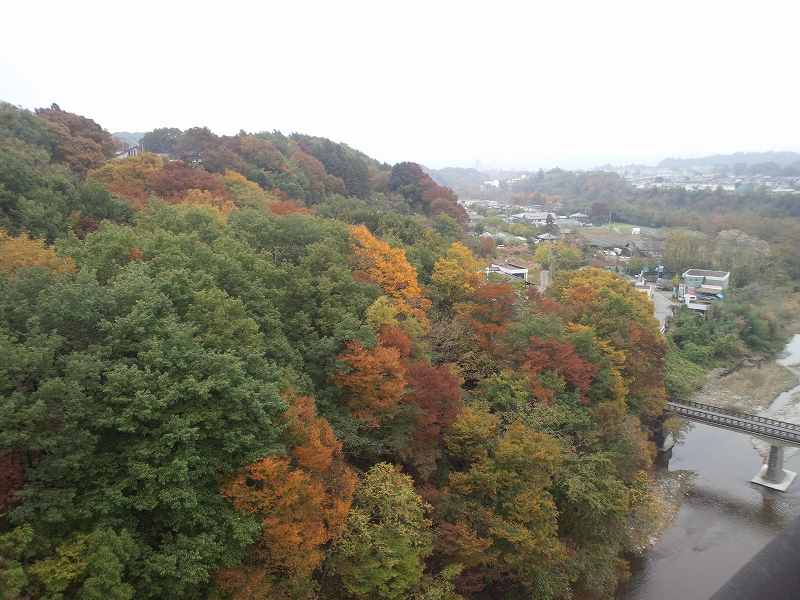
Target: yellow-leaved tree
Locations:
point(23, 251)
point(456, 275)
point(246, 193)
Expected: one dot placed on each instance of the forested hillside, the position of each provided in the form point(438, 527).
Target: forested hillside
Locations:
point(269, 367)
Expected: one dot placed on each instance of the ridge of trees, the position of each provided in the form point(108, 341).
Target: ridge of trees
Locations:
point(229, 388)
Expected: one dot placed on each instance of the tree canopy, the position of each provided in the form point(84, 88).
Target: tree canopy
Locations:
point(269, 366)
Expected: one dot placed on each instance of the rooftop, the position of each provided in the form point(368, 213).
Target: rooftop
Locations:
point(705, 273)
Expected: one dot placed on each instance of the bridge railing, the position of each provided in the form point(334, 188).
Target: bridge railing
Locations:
point(739, 414)
point(744, 422)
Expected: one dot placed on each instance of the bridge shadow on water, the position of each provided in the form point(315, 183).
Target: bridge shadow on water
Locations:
point(772, 514)
point(723, 520)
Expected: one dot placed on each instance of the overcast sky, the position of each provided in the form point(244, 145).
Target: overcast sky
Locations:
point(510, 84)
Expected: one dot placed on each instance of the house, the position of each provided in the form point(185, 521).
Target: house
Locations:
point(700, 306)
point(129, 152)
point(534, 217)
point(569, 222)
point(696, 278)
point(701, 288)
point(510, 270)
point(547, 237)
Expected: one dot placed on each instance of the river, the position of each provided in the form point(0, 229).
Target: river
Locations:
point(724, 520)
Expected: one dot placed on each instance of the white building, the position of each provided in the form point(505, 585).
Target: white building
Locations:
point(534, 217)
point(508, 271)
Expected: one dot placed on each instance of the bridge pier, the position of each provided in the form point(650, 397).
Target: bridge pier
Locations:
point(772, 474)
point(776, 433)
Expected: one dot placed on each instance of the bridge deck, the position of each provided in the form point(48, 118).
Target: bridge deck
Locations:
point(763, 427)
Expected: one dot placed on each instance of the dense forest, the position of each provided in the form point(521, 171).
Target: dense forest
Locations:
point(268, 366)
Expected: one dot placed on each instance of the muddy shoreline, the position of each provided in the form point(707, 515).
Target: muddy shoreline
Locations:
point(747, 388)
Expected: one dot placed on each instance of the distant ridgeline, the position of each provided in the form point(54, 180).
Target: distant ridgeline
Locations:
point(781, 159)
point(127, 137)
point(57, 166)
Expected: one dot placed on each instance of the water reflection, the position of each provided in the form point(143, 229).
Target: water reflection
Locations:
point(721, 524)
point(724, 520)
point(770, 514)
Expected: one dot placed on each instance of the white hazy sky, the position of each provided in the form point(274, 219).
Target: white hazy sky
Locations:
point(512, 84)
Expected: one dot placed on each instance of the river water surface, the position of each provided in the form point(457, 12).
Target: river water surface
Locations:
point(724, 520)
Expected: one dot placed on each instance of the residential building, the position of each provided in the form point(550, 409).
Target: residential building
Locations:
point(512, 271)
point(696, 278)
point(534, 217)
point(547, 237)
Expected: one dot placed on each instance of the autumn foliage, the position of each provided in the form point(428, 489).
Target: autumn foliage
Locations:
point(287, 207)
point(302, 501)
point(12, 477)
point(80, 143)
point(374, 380)
point(435, 392)
point(147, 450)
point(23, 252)
point(410, 180)
point(605, 302)
point(129, 178)
point(392, 336)
point(559, 358)
point(488, 313)
point(387, 267)
point(457, 275)
point(141, 177)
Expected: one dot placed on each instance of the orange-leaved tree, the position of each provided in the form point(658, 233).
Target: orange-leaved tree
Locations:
point(624, 317)
point(374, 380)
point(129, 178)
point(488, 313)
point(302, 501)
point(287, 207)
point(387, 267)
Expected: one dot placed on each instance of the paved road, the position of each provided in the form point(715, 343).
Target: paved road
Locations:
point(663, 303)
point(544, 280)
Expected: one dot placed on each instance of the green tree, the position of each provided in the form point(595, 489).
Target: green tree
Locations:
point(382, 552)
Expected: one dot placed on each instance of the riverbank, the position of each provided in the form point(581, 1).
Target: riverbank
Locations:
point(667, 492)
point(723, 519)
point(717, 519)
point(749, 389)
point(699, 492)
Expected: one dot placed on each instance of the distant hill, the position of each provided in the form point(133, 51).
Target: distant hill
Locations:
point(749, 158)
point(458, 178)
point(129, 137)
